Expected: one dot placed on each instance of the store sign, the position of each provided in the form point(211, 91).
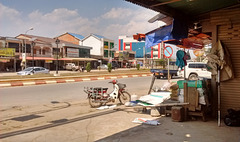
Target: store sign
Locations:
point(72, 52)
point(10, 52)
point(123, 55)
point(4, 60)
point(48, 61)
point(24, 57)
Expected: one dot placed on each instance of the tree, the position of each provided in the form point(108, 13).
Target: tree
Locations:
point(162, 62)
point(138, 66)
point(109, 67)
point(88, 67)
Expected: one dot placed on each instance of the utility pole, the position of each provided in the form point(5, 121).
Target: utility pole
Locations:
point(57, 42)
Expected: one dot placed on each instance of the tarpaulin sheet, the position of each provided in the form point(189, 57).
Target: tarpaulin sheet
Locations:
point(177, 31)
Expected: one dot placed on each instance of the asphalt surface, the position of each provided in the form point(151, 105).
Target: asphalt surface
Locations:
point(64, 79)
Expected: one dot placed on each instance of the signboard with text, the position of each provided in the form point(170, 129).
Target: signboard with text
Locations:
point(72, 52)
point(9, 52)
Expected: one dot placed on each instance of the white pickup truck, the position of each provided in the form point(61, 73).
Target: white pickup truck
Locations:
point(194, 70)
point(71, 66)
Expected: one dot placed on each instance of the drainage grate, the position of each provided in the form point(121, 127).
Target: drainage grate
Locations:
point(26, 118)
point(60, 121)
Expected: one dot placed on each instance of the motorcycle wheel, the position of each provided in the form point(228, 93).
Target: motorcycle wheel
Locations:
point(93, 103)
point(124, 97)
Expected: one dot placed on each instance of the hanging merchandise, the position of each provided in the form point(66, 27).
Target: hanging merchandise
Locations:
point(180, 59)
point(198, 52)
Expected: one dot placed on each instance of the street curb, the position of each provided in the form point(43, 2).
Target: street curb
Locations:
point(67, 80)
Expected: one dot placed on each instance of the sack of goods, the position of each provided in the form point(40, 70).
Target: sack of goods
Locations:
point(174, 92)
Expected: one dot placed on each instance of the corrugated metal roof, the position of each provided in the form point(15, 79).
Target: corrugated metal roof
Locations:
point(77, 36)
point(51, 41)
point(189, 8)
point(99, 36)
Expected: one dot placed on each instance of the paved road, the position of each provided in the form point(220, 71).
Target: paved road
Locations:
point(68, 124)
point(66, 92)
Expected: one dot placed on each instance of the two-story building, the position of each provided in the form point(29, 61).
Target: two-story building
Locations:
point(72, 38)
point(102, 47)
point(30, 50)
point(9, 53)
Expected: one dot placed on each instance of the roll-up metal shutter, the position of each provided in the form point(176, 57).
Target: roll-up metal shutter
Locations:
point(228, 23)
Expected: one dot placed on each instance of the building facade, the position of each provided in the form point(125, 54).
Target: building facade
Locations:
point(72, 38)
point(30, 50)
point(102, 48)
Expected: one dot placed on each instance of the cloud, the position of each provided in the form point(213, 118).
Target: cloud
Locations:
point(116, 22)
point(9, 20)
point(8, 12)
point(118, 13)
point(128, 22)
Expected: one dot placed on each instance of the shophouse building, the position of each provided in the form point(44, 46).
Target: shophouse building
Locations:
point(30, 50)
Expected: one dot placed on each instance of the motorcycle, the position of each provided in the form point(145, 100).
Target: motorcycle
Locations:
point(98, 96)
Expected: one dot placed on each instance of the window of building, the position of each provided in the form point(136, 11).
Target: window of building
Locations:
point(43, 52)
point(85, 53)
point(105, 44)
point(106, 53)
point(14, 45)
point(111, 45)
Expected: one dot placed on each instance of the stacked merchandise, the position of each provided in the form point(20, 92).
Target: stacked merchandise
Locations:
point(154, 98)
point(174, 92)
point(192, 83)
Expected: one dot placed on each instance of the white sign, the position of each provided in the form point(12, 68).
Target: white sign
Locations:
point(23, 57)
point(72, 52)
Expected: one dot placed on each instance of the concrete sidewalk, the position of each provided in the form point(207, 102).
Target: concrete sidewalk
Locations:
point(115, 125)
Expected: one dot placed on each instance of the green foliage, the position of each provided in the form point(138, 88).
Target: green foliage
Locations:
point(109, 67)
point(88, 67)
point(162, 62)
point(138, 66)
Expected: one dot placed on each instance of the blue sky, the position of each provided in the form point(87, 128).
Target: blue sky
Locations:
point(50, 18)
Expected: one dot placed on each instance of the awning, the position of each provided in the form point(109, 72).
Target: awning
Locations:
point(38, 58)
point(79, 59)
point(60, 59)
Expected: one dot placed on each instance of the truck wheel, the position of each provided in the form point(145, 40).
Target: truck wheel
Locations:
point(193, 76)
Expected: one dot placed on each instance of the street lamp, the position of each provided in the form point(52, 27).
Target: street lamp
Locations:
point(57, 42)
point(26, 46)
point(32, 47)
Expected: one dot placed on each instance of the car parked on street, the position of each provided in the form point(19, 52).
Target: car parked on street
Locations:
point(33, 70)
point(194, 70)
point(115, 65)
point(103, 66)
point(71, 66)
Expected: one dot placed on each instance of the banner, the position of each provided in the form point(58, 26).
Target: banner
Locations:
point(9, 52)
